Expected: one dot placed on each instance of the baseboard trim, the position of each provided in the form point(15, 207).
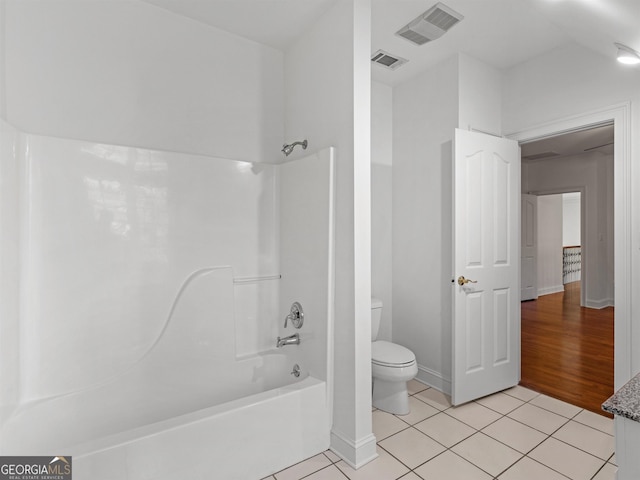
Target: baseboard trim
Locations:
point(550, 290)
point(355, 453)
point(433, 379)
point(599, 304)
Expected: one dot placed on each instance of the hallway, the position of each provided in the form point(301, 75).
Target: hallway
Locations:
point(567, 350)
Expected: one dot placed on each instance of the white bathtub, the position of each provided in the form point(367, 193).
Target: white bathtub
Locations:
point(171, 427)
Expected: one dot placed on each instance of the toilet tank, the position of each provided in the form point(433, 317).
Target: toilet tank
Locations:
point(376, 315)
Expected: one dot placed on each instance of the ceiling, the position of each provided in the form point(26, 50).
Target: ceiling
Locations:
point(275, 23)
point(501, 33)
point(595, 140)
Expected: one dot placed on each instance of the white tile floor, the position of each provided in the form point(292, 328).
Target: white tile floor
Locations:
point(513, 435)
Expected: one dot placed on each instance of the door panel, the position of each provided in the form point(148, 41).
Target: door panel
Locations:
point(473, 210)
point(475, 329)
point(501, 327)
point(486, 318)
point(502, 187)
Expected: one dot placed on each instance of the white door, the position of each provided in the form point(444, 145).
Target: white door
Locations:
point(486, 309)
point(529, 248)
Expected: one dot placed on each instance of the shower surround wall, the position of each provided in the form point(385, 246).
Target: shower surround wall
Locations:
point(109, 236)
point(9, 267)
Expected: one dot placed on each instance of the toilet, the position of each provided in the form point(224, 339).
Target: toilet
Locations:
point(392, 366)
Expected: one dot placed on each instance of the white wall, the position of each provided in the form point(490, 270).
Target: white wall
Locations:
point(3, 66)
point(381, 202)
point(381, 124)
point(592, 172)
point(571, 219)
point(425, 114)
point(459, 93)
point(550, 244)
point(130, 73)
point(480, 96)
point(327, 85)
point(567, 81)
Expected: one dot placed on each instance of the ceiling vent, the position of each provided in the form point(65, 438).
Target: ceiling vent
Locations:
point(539, 156)
point(598, 146)
point(387, 60)
point(432, 24)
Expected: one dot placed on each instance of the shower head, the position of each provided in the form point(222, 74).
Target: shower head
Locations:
point(287, 149)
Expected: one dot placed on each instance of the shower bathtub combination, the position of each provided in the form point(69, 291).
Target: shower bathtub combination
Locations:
point(146, 363)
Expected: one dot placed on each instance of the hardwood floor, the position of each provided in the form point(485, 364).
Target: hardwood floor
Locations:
point(567, 350)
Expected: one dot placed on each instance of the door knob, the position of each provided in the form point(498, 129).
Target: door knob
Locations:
point(463, 281)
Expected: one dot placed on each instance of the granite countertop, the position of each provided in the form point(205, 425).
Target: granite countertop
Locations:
point(626, 401)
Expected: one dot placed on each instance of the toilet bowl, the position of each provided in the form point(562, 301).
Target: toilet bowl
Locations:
point(392, 366)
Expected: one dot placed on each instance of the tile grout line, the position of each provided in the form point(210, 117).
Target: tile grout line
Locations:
point(477, 466)
point(447, 449)
point(302, 461)
point(476, 431)
point(551, 435)
point(578, 448)
point(543, 464)
point(590, 426)
point(598, 471)
point(398, 460)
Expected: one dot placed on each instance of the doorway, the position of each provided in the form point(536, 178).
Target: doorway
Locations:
point(583, 162)
point(616, 120)
point(567, 349)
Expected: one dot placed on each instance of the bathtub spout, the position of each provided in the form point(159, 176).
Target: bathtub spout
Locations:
point(290, 340)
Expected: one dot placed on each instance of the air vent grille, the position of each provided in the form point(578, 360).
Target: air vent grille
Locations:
point(538, 156)
point(414, 37)
point(442, 19)
point(387, 60)
point(598, 146)
point(432, 24)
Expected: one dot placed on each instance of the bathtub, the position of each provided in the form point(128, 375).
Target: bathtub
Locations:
point(177, 428)
point(189, 407)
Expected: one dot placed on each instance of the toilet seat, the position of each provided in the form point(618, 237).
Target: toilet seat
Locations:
point(387, 354)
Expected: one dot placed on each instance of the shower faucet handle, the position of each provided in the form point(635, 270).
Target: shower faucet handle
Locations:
point(296, 315)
